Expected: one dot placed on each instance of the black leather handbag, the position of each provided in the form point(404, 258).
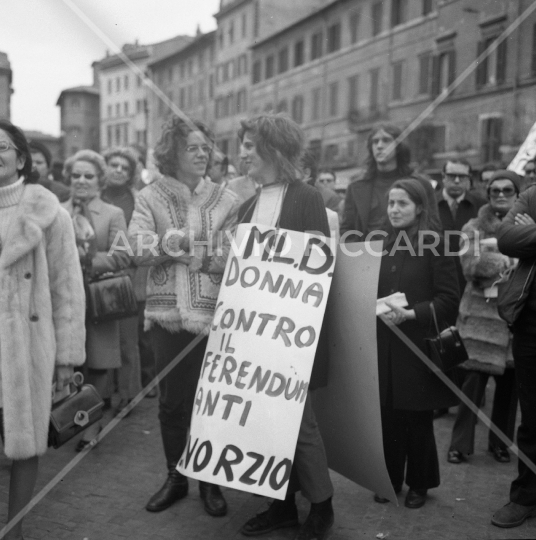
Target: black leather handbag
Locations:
point(446, 349)
point(74, 413)
point(110, 297)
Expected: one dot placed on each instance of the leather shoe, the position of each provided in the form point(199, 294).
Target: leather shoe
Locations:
point(175, 487)
point(213, 500)
point(415, 498)
point(315, 527)
point(500, 454)
point(512, 515)
point(454, 456)
point(280, 514)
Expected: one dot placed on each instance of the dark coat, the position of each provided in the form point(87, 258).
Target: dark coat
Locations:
point(302, 210)
point(405, 381)
point(520, 241)
point(358, 203)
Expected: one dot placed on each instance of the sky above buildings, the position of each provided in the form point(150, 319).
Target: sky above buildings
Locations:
point(51, 48)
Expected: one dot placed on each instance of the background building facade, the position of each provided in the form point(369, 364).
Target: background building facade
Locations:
point(6, 79)
point(79, 119)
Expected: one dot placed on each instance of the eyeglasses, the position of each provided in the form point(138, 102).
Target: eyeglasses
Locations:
point(194, 148)
point(507, 191)
point(87, 176)
point(5, 146)
point(452, 177)
point(119, 166)
point(531, 172)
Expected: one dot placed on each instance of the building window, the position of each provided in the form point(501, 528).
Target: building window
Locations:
point(353, 93)
point(298, 53)
point(334, 99)
point(125, 108)
point(377, 16)
point(444, 71)
point(425, 64)
point(211, 86)
point(427, 6)
point(297, 109)
point(399, 12)
point(117, 84)
point(331, 151)
point(244, 25)
point(257, 77)
point(109, 136)
point(491, 139)
point(355, 18)
point(109, 111)
point(190, 96)
point(109, 86)
point(398, 81)
point(492, 69)
point(283, 60)
point(182, 98)
point(374, 90)
point(269, 67)
point(139, 81)
point(315, 103)
point(316, 45)
point(117, 109)
point(241, 105)
point(126, 82)
point(334, 37)
point(220, 39)
point(282, 106)
point(256, 19)
point(231, 32)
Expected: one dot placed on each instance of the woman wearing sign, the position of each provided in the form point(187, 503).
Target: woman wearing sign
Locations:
point(271, 149)
point(173, 221)
point(413, 263)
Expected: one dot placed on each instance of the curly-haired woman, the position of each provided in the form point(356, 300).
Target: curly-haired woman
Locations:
point(183, 283)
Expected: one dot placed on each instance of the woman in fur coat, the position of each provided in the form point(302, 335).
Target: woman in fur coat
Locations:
point(486, 336)
point(42, 310)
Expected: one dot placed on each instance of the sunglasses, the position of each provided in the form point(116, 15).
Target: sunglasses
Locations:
point(194, 148)
point(87, 176)
point(452, 177)
point(5, 146)
point(507, 191)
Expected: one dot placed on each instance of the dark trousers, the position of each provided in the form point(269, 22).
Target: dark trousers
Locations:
point(503, 413)
point(408, 436)
point(523, 489)
point(177, 389)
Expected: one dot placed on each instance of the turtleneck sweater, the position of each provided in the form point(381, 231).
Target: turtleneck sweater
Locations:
point(9, 199)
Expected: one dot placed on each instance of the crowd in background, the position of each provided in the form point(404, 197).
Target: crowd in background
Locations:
point(199, 191)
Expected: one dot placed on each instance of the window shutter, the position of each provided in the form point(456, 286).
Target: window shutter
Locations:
point(481, 67)
point(452, 66)
point(501, 62)
point(436, 76)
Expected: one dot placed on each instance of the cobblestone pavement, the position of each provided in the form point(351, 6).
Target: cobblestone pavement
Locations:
point(103, 497)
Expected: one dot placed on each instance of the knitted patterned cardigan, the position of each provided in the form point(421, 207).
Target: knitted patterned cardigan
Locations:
point(182, 290)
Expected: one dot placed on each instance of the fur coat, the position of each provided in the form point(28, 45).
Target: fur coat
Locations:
point(42, 312)
point(485, 335)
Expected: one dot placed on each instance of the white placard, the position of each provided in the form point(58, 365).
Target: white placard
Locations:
point(257, 365)
point(526, 152)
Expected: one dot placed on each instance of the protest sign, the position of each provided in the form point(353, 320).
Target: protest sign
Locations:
point(255, 373)
point(526, 152)
point(348, 409)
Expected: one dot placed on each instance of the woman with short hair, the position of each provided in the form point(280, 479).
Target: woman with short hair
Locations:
point(41, 313)
point(182, 284)
point(86, 171)
point(271, 149)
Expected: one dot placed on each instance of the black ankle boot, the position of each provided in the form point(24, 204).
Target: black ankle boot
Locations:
point(175, 487)
point(212, 497)
point(318, 522)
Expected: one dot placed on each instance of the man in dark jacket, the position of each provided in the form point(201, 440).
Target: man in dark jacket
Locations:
point(42, 161)
point(517, 238)
point(365, 206)
point(457, 205)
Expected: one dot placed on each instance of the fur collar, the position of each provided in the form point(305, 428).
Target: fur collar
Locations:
point(36, 211)
point(487, 221)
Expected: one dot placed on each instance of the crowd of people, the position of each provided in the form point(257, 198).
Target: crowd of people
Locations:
point(56, 237)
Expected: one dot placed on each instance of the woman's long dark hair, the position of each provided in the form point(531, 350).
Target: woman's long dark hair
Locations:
point(23, 150)
point(417, 194)
point(402, 152)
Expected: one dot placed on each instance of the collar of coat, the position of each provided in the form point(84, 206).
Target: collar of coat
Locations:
point(486, 220)
point(35, 212)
